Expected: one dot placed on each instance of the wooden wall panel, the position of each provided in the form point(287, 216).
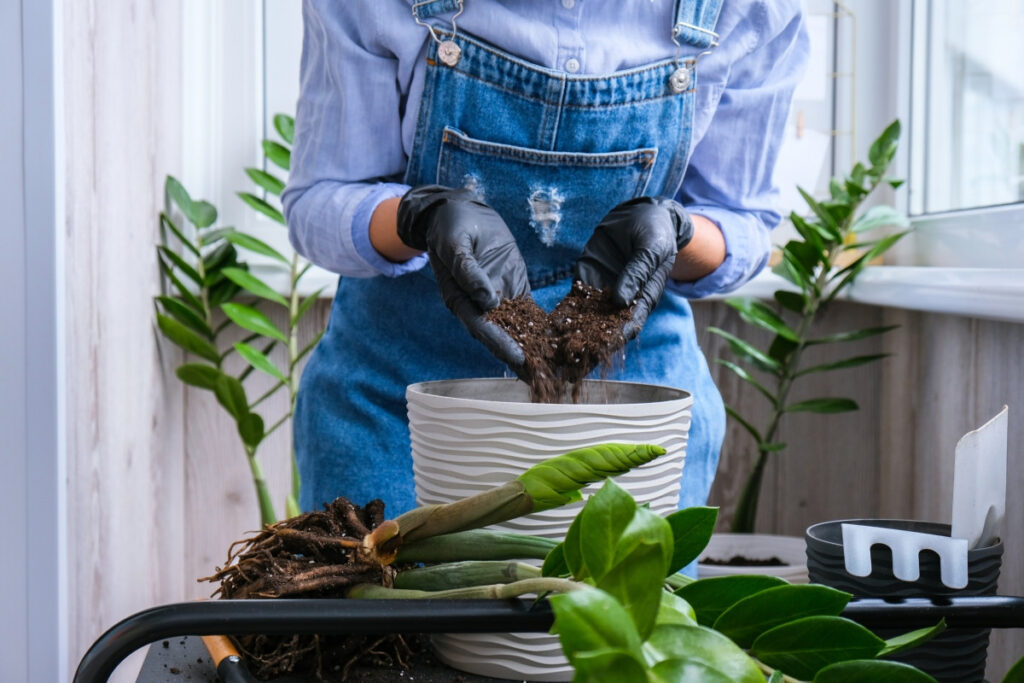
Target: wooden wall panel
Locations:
point(125, 469)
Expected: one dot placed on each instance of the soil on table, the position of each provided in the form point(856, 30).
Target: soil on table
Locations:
point(741, 561)
point(563, 347)
point(312, 555)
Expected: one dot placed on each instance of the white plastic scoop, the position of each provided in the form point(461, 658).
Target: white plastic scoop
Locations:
point(979, 505)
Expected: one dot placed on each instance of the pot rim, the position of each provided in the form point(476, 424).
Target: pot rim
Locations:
point(813, 532)
point(665, 394)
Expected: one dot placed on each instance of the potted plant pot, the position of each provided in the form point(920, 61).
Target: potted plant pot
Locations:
point(956, 655)
point(469, 435)
point(728, 554)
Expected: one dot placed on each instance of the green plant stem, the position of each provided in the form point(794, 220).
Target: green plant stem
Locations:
point(464, 574)
point(498, 591)
point(267, 394)
point(768, 671)
point(476, 544)
point(267, 514)
point(293, 373)
point(277, 424)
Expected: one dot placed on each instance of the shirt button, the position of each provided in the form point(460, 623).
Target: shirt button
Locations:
point(572, 65)
point(568, 4)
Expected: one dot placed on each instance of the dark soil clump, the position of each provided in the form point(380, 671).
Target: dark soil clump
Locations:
point(313, 555)
point(563, 347)
point(741, 561)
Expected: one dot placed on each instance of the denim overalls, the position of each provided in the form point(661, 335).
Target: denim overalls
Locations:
point(552, 153)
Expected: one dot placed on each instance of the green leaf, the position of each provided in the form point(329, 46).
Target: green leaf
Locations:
point(204, 214)
point(572, 553)
point(221, 256)
point(252, 320)
point(309, 347)
point(704, 646)
point(278, 154)
point(254, 285)
point(806, 255)
point(731, 412)
point(179, 195)
point(781, 349)
point(184, 292)
point(1016, 673)
point(231, 395)
point(166, 222)
point(771, 447)
point(208, 237)
point(554, 562)
point(776, 677)
point(691, 530)
point(828, 222)
point(250, 428)
point(675, 610)
point(748, 352)
point(285, 127)
point(609, 665)
point(894, 183)
point(267, 181)
point(811, 233)
point(305, 306)
point(792, 301)
point(853, 335)
point(199, 375)
point(803, 647)
point(859, 173)
point(756, 313)
point(878, 216)
point(791, 273)
point(185, 315)
point(883, 149)
point(763, 611)
point(823, 405)
point(747, 377)
point(223, 291)
point(856, 191)
point(838, 191)
point(262, 206)
point(912, 639)
point(861, 670)
point(590, 619)
point(848, 363)
point(182, 265)
point(259, 361)
point(712, 596)
point(602, 521)
point(186, 338)
point(680, 669)
point(254, 245)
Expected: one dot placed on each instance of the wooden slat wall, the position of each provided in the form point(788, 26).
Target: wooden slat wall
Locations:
point(894, 457)
point(124, 409)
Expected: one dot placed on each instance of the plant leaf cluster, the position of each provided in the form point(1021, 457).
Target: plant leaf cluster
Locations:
point(211, 295)
point(833, 248)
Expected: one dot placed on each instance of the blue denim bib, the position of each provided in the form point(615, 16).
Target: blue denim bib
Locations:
point(552, 153)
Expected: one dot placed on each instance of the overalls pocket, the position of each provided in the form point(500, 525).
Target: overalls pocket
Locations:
point(551, 200)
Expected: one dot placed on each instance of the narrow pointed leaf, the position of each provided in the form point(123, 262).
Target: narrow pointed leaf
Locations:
point(262, 206)
point(748, 352)
point(776, 677)
point(186, 338)
point(185, 315)
point(747, 377)
point(823, 215)
point(712, 596)
point(231, 395)
point(823, 405)
point(184, 292)
point(166, 221)
point(179, 195)
point(786, 270)
point(285, 127)
point(610, 665)
point(254, 285)
point(876, 671)
point(781, 349)
point(803, 647)
point(602, 521)
point(704, 646)
point(763, 611)
point(253, 320)
point(756, 313)
point(771, 447)
point(912, 639)
point(878, 216)
point(691, 531)
point(641, 559)
point(298, 276)
point(267, 181)
point(208, 237)
point(883, 149)
point(305, 305)
point(204, 214)
point(847, 363)
point(853, 335)
point(309, 347)
point(587, 620)
point(254, 245)
point(278, 154)
point(808, 256)
point(250, 428)
point(811, 233)
point(746, 425)
point(1016, 673)
point(895, 183)
point(199, 375)
point(554, 562)
point(259, 361)
point(181, 265)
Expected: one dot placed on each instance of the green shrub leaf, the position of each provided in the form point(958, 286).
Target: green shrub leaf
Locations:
point(731, 412)
point(285, 127)
point(254, 245)
point(554, 562)
point(186, 338)
point(853, 335)
point(712, 596)
point(793, 301)
point(259, 361)
point(278, 154)
point(262, 206)
point(748, 352)
point(305, 305)
point(878, 216)
point(185, 315)
point(704, 646)
point(691, 530)
point(756, 313)
point(602, 521)
point(204, 214)
point(269, 182)
point(883, 149)
point(254, 285)
point(746, 377)
point(253, 320)
point(823, 405)
point(753, 615)
point(199, 375)
point(231, 395)
point(592, 620)
point(250, 428)
point(166, 222)
point(1016, 673)
point(182, 265)
point(675, 610)
point(912, 639)
point(839, 364)
point(861, 670)
point(803, 647)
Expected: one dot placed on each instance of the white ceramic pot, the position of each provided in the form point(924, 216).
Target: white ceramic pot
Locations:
point(790, 549)
point(470, 435)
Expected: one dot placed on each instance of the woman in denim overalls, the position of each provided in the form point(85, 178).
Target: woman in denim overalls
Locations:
point(552, 153)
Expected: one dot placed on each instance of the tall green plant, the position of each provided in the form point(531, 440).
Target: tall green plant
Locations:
point(212, 295)
point(834, 231)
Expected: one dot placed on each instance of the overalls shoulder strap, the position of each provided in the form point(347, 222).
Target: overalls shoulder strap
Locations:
point(695, 22)
point(424, 9)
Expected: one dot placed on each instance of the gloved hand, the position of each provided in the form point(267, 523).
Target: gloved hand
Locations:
point(474, 257)
point(632, 252)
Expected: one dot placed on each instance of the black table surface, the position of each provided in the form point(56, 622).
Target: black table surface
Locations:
point(184, 658)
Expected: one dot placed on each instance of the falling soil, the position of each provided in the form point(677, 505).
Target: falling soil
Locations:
point(311, 556)
point(561, 348)
point(741, 561)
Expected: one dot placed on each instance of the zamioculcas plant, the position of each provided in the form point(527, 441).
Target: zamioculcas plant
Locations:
point(214, 296)
point(832, 251)
point(621, 611)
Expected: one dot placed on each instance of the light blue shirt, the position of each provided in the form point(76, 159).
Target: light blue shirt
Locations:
point(362, 79)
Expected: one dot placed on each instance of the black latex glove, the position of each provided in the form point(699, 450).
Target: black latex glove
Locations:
point(474, 257)
point(632, 252)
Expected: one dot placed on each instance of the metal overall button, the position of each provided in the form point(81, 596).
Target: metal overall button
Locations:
point(680, 79)
point(449, 53)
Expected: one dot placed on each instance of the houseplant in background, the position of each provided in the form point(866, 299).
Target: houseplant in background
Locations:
point(833, 249)
point(212, 297)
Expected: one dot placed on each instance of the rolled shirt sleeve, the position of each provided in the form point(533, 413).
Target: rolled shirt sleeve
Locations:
point(729, 179)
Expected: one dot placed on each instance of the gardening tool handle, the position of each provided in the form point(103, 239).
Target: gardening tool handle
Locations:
point(226, 660)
